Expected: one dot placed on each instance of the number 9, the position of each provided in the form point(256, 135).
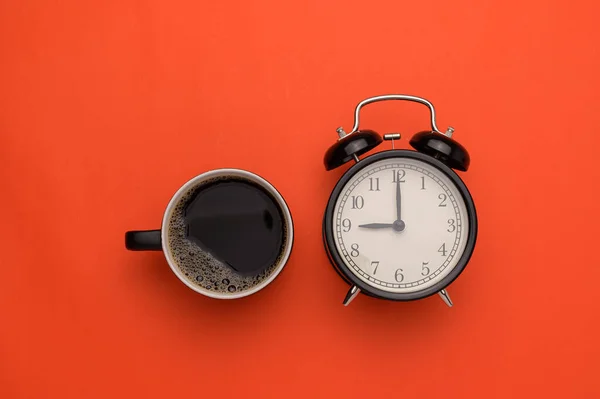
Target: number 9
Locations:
point(346, 224)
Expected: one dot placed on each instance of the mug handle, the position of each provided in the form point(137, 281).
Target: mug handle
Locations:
point(143, 240)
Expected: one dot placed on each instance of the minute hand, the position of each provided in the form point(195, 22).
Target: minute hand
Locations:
point(398, 201)
point(377, 225)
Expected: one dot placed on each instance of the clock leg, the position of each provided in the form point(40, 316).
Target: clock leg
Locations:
point(352, 293)
point(445, 297)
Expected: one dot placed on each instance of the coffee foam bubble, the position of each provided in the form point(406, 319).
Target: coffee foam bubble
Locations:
point(199, 266)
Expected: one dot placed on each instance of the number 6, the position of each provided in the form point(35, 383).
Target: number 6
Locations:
point(399, 274)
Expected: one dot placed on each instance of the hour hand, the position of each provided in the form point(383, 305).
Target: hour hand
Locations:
point(377, 225)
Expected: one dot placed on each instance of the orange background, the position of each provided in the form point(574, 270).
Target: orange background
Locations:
point(106, 108)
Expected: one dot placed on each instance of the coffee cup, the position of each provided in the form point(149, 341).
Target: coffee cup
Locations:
point(226, 234)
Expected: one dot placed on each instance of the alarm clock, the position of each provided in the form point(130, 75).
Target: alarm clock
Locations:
point(400, 224)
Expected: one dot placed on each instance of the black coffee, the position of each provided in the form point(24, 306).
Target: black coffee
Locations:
point(227, 234)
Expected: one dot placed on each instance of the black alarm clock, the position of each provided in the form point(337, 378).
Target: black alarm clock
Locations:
point(400, 224)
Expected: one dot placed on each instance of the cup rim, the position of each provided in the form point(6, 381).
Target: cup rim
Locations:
point(216, 173)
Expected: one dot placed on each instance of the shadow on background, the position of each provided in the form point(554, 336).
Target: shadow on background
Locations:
point(155, 280)
point(290, 306)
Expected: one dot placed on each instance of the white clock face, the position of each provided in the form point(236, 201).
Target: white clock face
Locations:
point(400, 225)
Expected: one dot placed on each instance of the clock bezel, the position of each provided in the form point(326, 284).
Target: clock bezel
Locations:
point(344, 270)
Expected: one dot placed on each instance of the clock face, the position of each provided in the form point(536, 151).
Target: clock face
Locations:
point(400, 225)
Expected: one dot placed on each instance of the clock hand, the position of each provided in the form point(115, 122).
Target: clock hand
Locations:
point(377, 225)
point(398, 201)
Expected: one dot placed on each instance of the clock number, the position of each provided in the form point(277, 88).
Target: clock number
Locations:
point(443, 197)
point(357, 202)
point(346, 224)
point(442, 249)
point(424, 269)
point(376, 264)
point(374, 187)
point(399, 276)
point(451, 225)
point(399, 176)
point(422, 182)
point(354, 253)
